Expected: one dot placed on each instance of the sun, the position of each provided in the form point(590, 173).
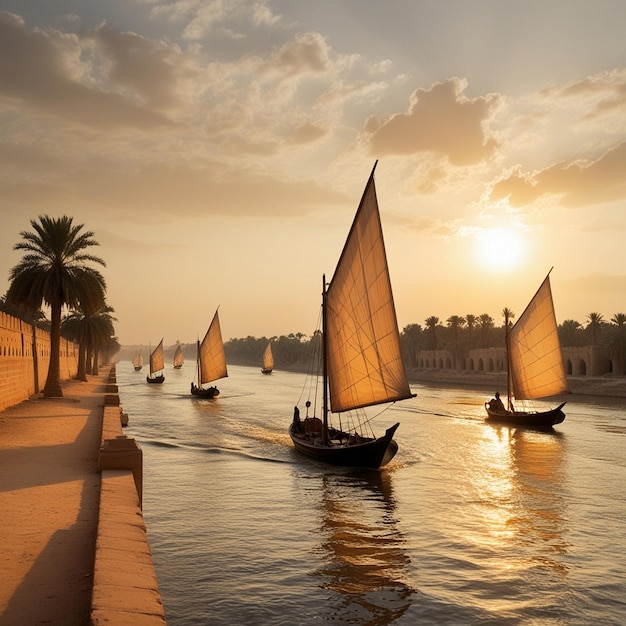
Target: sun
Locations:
point(499, 249)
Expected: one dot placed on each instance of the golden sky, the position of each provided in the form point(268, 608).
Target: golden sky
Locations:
point(218, 150)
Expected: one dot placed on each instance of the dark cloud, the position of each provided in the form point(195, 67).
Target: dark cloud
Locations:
point(579, 183)
point(440, 120)
point(42, 70)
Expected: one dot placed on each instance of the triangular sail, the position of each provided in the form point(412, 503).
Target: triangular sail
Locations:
point(268, 358)
point(179, 359)
point(365, 365)
point(156, 359)
point(535, 359)
point(211, 354)
point(138, 359)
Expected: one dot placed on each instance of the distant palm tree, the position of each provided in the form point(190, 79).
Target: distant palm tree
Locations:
point(431, 324)
point(470, 320)
point(454, 323)
point(53, 272)
point(569, 332)
point(619, 319)
point(486, 322)
point(92, 331)
point(594, 325)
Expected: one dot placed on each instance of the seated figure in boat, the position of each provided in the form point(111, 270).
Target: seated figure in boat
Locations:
point(297, 422)
point(496, 404)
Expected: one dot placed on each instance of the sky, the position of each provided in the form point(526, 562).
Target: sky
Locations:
point(218, 151)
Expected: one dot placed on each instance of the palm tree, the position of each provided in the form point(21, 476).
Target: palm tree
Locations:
point(53, 271)
point(470, 320)
point(595, 324)
point(454, 323)
point(486, 322)
point(569, 332)
point(92, 331)
point(431, 323)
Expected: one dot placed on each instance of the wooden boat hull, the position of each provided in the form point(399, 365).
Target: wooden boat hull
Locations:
point(177, 367)
point(207, 393)
point(367, 453)
point(538, 420)
point(138, 368)
point(155, 379)
point(266, 371)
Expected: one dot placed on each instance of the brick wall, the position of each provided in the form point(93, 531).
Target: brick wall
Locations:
point(24, 367)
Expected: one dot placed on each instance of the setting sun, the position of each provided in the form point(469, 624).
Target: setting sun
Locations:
point(499, 248)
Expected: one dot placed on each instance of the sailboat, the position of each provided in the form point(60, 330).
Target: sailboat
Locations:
point(138, 361)
point(361, 359)
point(268, 359)
point(179, 359)
point(157, 365)
point(534, 364)
point(211, 361)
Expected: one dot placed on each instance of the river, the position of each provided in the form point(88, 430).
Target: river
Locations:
point(470, 523)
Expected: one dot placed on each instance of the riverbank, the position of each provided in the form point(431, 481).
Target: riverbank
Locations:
point(73, 546)
point(613, 386)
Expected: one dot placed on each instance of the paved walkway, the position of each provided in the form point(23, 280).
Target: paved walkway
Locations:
point(49, 495)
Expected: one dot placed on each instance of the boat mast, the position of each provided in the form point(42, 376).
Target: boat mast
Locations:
point(198, 363)
point(508, 360)
point(324, 365)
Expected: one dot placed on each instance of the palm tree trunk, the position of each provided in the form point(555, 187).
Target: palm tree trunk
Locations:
point(82, 356)
point(52, 388)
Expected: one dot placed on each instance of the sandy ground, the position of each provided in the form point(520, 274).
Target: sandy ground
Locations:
point(49, 496)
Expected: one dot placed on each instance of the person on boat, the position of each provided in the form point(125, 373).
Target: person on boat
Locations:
point(297, 423)
point(496, 404)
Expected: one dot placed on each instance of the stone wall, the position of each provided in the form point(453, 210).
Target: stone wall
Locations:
point(24, 360)
point(583, 361)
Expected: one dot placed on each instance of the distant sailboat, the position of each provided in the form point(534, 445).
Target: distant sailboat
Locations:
point(534, 364)
point(211, 361)
point(138, 361)
point(360, 350)
point(268, 359)
point(157, 364)
point(179, 359)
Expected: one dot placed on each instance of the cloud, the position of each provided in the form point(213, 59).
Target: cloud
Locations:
point(45, 71)
point(440, 120)
point(579, 183)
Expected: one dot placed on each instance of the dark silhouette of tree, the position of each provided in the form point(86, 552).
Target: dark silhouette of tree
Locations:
point(54, 271)
point(470, 320)
point(571, 334)
point(594, 326)
point(410, 341)
point(486, 324)
point(431, 324)
point(454, 323)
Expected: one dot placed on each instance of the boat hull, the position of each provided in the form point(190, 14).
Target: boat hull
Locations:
point(266, 371)
point(537, 420)
point(138, 368)
point(207, 393)
point(368, 453)
point(155, 380)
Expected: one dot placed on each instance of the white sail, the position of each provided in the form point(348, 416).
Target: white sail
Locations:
point(156, 359)
point(138, 360)
point(365, 365)
point(179, 359)
point(268, 357)
point(535, 359)
point(212, 359)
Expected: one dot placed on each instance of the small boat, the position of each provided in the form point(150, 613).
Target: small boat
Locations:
point(534, 365)
point(268, 359)
point(179, 359)
point(211, 361)
point(138, 361)
point(360, 354)
point(157, 365)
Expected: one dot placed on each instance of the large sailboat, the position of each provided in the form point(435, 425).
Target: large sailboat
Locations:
point(211, 361)
point(138, 361)
point(179, 359)
point(534, 365)
point(268, 359)
point(157, 365)
point(361, 361)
